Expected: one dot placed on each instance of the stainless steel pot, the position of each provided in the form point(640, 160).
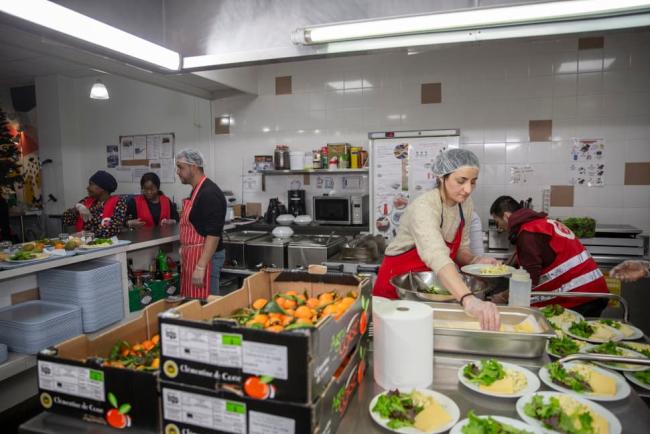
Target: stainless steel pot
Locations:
point(417, 286)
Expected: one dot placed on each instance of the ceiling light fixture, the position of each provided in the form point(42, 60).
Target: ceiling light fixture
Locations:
point(532, 30)
point(468, 19)
point(69, 22)
point(99, 91)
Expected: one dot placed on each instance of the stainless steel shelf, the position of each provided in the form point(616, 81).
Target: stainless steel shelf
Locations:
point(15, 364)
point(312, 171)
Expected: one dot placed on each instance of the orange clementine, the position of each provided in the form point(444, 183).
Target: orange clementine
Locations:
point(259, 303)
point(304, 321)
point(303, 312)
point(273, 321)
point(261, 318)
point(290, 312)
point(291, 293)
point(326, 297)
point(155, 339)
point(289, 304)
point(275, 328)
point(329, 310)
point(301, 299)
point(312, 302)
point(347, 301)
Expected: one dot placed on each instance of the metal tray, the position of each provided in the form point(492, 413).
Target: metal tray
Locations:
point(490, 343)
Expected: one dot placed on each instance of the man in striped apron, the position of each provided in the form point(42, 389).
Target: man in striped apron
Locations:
point(201, 227)
point(553, 256)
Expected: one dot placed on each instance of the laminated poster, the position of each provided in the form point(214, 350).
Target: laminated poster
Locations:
point(587, 165)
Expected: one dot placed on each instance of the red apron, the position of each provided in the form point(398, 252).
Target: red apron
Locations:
point(191, 249)
point(107, 212)
point(410, 261)
point(144, 214)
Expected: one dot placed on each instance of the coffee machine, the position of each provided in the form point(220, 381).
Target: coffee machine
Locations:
point(297, 202)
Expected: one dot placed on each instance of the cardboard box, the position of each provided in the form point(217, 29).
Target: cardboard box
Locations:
point(72, 381)
point(202, 411)
point(200, 349)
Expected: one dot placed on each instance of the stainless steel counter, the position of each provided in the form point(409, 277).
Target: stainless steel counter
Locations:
point(633, 413)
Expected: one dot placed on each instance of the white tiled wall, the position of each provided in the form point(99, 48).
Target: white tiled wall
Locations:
point(490, 91)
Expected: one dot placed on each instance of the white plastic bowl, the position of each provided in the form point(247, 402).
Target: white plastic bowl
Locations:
point(302, 220)
point(282, 232)
point(285, 219)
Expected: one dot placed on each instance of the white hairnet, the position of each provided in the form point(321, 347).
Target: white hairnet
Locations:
point(453, 159)
point(190, 156)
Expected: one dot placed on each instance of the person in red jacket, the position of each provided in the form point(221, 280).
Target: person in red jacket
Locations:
point(152, 207)
point(555, 259)
point(100, 212)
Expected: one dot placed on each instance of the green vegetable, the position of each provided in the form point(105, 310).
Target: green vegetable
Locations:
point(582, 227)
point(581, 328)
point(552, 310)
point(607, 348)
point(569, 379)
point(643, 376)
point(489, 372)
point(435, 289)
point(23, 256)
point(398, 407)
point(553, 417)
point(563, 346)
point(488, 425)
point(611, 323)
point(100, 241)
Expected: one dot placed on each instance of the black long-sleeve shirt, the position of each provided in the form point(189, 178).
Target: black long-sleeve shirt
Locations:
point(154, 209)
point(208, 213)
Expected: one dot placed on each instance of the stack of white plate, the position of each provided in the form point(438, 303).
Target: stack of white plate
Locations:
point(34, 325)
point(95, 286)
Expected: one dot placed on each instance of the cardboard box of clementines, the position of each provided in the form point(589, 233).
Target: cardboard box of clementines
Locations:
point(73, 381)
point(203, 411)
point(201, 346)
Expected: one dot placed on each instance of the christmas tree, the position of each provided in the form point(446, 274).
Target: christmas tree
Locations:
point(10, 167)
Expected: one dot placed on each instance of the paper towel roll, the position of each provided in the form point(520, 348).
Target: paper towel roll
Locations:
point(403, 344)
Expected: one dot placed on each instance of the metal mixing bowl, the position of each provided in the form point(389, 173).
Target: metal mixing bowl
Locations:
point(415, 286)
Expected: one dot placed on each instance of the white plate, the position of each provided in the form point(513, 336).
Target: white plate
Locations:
point(637, 333)
point(446, 403)
point(531, 379)
point(616, 337)
point(39, 257)
point(576, 316)
point(614, 423)
point(557, 356)
point(475, 270)
point(626, 353)
point(630, 376)
point(515, 423)
point(622, 388)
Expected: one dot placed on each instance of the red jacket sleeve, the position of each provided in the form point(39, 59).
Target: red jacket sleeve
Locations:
point(534, 253)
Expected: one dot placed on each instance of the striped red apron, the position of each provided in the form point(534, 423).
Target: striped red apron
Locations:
point(191, 249)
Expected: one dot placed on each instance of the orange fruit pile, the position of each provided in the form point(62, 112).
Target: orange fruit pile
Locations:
point(290, 310)
point(144, 356)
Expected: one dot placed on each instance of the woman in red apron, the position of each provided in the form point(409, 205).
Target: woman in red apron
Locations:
point(191, 249)
point(433, 236)
point(151, 208)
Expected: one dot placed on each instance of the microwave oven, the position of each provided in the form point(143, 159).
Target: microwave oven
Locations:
point(341, 210)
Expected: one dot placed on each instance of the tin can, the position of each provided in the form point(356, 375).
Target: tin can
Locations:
point(355, 157)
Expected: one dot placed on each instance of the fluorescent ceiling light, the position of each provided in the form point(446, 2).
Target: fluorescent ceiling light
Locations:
point(531, 30)
point(468, 19)
point(69, 22)
point(99, 91)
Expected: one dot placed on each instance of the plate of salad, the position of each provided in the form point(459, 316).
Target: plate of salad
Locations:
point(636, 346)
point(492, 425)
point(584, 379)
point(641, 378)
point(421, 411)
point(499, 379)
point(98, 243)
point(563, 346)
point(613, 349)
point(27, 257)
point(559, 315)
point(592, 331)
point(566, 414)
point(629, 331)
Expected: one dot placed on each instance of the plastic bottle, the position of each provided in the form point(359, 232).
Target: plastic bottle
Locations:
point(520, 287)
point(161, 264)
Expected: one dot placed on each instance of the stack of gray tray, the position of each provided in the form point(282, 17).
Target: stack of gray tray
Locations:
point(3, 353)
point(34, 325)
point(95, 286)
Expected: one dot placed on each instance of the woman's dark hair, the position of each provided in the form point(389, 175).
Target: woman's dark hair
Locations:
point(150, 176)
point(503, 204)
